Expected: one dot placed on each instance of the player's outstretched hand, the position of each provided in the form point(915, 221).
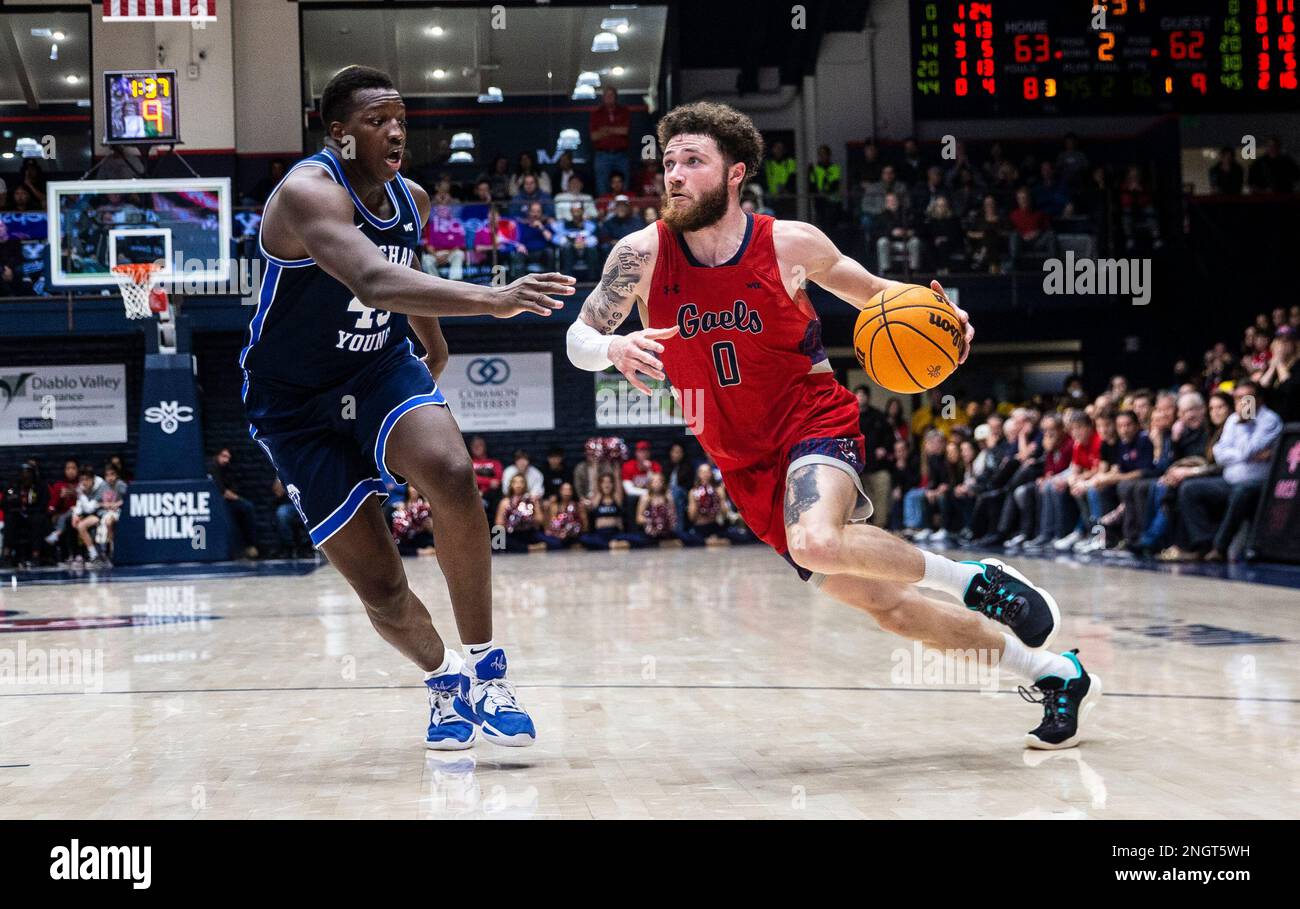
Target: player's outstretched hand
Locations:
point(637, 352)
point(961, 314)
point(531, 294)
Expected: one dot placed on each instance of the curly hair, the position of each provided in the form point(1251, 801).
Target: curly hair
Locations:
point(733, 131)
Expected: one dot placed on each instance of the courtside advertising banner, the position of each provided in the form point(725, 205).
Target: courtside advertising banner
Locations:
point(495, 391)
point(41, 405)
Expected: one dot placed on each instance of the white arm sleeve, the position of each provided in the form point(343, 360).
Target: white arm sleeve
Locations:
point(588, 348)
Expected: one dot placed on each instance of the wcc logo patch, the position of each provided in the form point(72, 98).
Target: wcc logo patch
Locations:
point(169, 415)
point(14, 386)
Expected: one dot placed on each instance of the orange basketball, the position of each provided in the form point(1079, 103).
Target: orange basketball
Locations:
point(908, 339)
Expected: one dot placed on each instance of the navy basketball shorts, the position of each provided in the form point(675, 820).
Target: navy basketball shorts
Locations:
point(328, 447)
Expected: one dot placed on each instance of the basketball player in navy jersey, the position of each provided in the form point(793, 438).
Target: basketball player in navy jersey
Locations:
point(721, 298)
point(341, 405)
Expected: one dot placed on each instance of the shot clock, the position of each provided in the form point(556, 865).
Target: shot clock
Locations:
point(141, 107)
point(1016, 58)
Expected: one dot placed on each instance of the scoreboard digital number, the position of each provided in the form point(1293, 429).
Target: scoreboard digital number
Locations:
point(141, 108)
point(1016, 58)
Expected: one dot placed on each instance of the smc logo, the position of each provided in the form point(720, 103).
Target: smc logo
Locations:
point(169, 415)
point(488, 371)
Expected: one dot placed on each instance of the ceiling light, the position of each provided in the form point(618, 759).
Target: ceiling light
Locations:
point(569, 140)
point(72, 78)
point(584, 93)
point(461, 157)
point(439, 74)
point(617, 71)
point(7, 155)
point(604, 43)
point(589, 78)
point(491, 96)
point(54, 52)
point(57, 36)
point(614, 24)
point(462, 140)
point(435, 30)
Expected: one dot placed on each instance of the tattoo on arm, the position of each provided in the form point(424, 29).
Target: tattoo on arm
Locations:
point(609, 304)
point(800, 493)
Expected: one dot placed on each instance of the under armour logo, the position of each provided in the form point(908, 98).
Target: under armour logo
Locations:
point(755, 285)
point(672, 288)
point(169, 415)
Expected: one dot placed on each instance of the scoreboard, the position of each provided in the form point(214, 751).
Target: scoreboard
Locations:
point(1016, 58)
point(141, 107)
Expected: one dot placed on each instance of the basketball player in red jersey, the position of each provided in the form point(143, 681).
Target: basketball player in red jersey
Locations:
point(720, 293)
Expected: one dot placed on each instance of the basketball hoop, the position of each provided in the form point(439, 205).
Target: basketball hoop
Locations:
point(138, 283)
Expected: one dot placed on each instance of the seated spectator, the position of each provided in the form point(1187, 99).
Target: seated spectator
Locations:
point(1050, 194)
point(529, 192)
point(579, 249)
point(681, 476)
point(905, 475)
point(605, 201)
point(537, 235)
point(894, 235)
point(824, 186)
point(1213, 509)
point(534, 482)
point(1164, 500)
point(1226, 176)
point(11, 265)
point(924, 194)
point(1031, 230)
point(1036, 509)
point(605, 514)
point(488, 473)
point(521, 512)
point(875, 186)
point(1015, 461)
point(442, 194)
point(942, 234)
point(555, 474)
point(1137, 212)
point(1280, 381)
point(566, 517)
point(708, 510)
point(499, 235)
point(656, 518)
point(526, 168)
point(444, 244)
point(475, 212)
point(290, 531)
point(564, 170)
point(594, 466)
point(986, 238)
point(1072, 163)
point(637, 473)
point(111, 496)
point(922, 502)
point(498, 178)
point(63, 497)
point(649, 214)
point(1256, 362)
point(618, 225)
point(1005, 185)
point(85, 514)
point(243, 523)
point(966, 194)
point(26, 516)
point(574, 194)
point(1130, 458)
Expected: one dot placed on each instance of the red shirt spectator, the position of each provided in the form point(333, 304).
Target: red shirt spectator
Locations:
point(610, 125)
point(487, 474)
point(506, 237)
point(1058, 459)
point(1028, 222)
point(1085, 457)
point(63, 493)
point(444, 231)
point(637, 471)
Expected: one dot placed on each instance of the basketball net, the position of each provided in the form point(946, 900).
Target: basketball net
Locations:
point(140, 292)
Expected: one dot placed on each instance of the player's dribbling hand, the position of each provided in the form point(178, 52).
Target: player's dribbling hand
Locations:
point(965, 321)
point(637, 352)
point(530, 294)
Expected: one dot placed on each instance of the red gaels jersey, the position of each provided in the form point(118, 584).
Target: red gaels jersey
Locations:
point(741, 358)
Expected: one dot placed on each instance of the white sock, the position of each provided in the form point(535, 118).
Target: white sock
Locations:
point(1032, 665)
point(946, 575)
point(93, 551)
point(474, 653)
point(451, 663)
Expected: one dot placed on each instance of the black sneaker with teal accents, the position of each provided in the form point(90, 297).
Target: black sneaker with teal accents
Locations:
point(1066, 705)
point(1005, 595)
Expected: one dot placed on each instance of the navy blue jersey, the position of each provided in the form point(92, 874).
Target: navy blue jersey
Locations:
point(310, 330)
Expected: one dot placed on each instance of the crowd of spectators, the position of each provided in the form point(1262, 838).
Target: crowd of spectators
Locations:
point(69, 521)
point(1174, 472)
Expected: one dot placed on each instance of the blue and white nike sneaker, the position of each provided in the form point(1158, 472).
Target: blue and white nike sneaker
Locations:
point(448, 731)
point(486, 699)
